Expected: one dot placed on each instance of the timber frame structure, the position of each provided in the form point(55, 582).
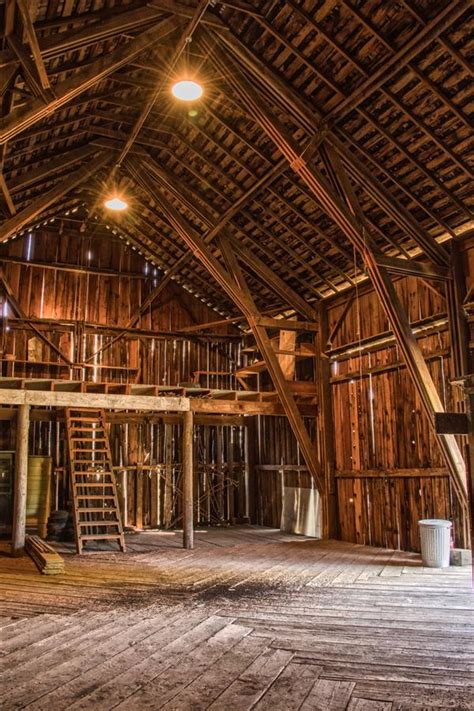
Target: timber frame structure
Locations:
point(333, 145)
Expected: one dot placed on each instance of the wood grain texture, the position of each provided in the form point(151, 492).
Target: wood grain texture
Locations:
point(251, 618)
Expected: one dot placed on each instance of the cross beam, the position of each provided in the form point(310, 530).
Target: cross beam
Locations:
point(41, 203)
point(35, 110)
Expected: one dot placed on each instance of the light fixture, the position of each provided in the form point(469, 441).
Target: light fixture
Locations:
point(187, 90)
point(116, 203)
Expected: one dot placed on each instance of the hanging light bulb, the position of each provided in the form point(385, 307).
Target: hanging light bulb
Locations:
point(116, 203)
point(187, 90)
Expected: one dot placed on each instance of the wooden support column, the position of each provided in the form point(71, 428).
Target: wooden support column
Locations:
point(188, 478)
point(330, 514)
point(458, 332)
point(470, 465)
point(21, 474)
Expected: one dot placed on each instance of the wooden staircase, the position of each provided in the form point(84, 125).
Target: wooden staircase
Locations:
point(94, 491)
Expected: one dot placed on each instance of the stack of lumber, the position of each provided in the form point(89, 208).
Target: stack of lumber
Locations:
point(45, 558)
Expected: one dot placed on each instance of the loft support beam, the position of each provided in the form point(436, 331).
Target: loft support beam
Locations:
point(188, 481)
point(20, 485)
point(345, 212)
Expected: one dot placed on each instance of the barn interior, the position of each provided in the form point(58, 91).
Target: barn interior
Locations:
point(237, 334)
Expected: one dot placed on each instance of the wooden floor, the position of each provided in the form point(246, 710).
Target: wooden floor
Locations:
point(251, 619)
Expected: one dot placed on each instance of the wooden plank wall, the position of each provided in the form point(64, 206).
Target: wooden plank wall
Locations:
point(279, 464)
point(390, 470)
point(383, 436)
point(148, 452)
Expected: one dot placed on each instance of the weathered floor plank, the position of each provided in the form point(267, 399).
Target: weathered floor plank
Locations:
point(251, 619)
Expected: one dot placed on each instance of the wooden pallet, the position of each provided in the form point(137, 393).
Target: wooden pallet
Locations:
point(94, 492)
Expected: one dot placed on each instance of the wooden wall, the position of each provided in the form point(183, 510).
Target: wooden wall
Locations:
point(88, 299)
point(85, 309)
point(389, 470)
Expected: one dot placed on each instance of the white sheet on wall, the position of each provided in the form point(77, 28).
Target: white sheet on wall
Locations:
point(301, 511)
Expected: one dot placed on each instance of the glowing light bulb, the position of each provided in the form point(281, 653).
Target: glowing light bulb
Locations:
point(116, 203)
point(187, 90)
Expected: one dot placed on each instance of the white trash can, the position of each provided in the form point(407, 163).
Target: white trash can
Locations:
point(435, 535)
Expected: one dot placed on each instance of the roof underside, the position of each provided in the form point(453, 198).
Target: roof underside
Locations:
point(389, 81)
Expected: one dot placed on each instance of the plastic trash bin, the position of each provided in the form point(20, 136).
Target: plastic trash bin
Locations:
point(435, 537)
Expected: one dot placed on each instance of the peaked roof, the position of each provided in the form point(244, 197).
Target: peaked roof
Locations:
point(385, 86)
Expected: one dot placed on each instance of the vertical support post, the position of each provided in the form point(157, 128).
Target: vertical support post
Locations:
point(470, 464)
point(329, 508)
point(188, 507)
point(455, 292)
point(21, 474)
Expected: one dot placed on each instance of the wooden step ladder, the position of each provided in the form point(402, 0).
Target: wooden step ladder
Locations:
point(94, 492)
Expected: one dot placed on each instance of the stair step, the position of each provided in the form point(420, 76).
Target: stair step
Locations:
point(88, 439)
point(96, 510)
point(96, 485)
point(84, 450)
point(92, 471)
point(101, 536)
point(93, 428)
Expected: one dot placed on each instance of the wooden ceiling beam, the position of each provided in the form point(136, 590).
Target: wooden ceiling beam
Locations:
point(267, 179)
point(307, 117)
point(97, 28)
point(410, 267)
point(181, 45)
point(401, 58)
point(33, 111)
point(34, 210)
point(33, 42)
point(28, 67)
point(368, 118)
point(272, 191)
point(7, 195)
point(48, 169)
point(216, 227)
point(425, 80)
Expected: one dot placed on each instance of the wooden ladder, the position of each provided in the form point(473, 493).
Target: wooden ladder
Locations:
point(94, 492)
